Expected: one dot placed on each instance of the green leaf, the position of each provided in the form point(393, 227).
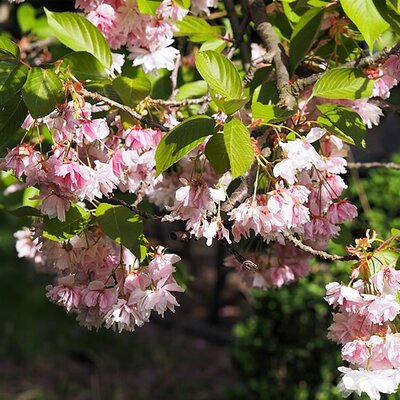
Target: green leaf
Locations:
point(183, 3)
point(366, 17)
point(76, 221)
point(220, 74)
point(304, 35)
point(77, 33)
point(344, 83)
point(181, 140)
point(238, 146)
point(124, 226)
point(12, 115)
point(26, 17)
point(192, 89)
point(25, 211)
point(12, 78)
point(216, 44)
point(131, 91)
point(85, 66)
point(197, 29)
point(216, 153)
point(383, 258)
point(229, 106)
point(270, 113)
point(42, 91)
point(30, 197)
point(342, 122)
point(148, 6)
point(9, 46)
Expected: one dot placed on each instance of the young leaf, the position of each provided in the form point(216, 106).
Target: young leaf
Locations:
point(216, 153)
point(304, 35)
point(12, 115)
point(342, 122)
point(344, 83)
point(42, 91)
point(181, 140)
point(197, 29)
point(131, 91)
point(366, 17)
point(220, 74)
point(12, 78)
point(84, 66)
point(270, 113)
point(77, 33)
point(124, 226)
point(76, 220)
point(238, 146)
point(9, 46)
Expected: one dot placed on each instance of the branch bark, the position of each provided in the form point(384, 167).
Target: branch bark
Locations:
point(133, 113)
point(273, 45)
point(368, 165)
point(301, 84)
point(317, 253)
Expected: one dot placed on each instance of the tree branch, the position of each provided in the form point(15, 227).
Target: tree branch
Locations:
point(300, 84)
point(317, 253)
point(358, 165)
point(273, 45)
point(143, 214)
point(133, 113)
point(181, 103)
point(266, 58)
point(245, 189)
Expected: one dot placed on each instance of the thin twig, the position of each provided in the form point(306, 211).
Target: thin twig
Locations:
point(317, 253)
point(143, 214)
point(234, 249)
point(174, 78)
point(367, 165)
point(244, 191)
point(300, 84)
point(271, 42)
point(238, 32)
point(386, 106)
point(266, 58)
point(181, 103)
point(133, 113)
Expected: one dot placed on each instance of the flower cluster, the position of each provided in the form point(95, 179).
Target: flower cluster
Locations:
point(87, 161)
point(148, 38)
point(101, 281)
point(305, 201)
point(365, 325)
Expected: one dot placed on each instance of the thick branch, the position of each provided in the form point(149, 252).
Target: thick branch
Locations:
point(273, 45)
point(133, 113)
point(317, 253)
point(301, 84)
